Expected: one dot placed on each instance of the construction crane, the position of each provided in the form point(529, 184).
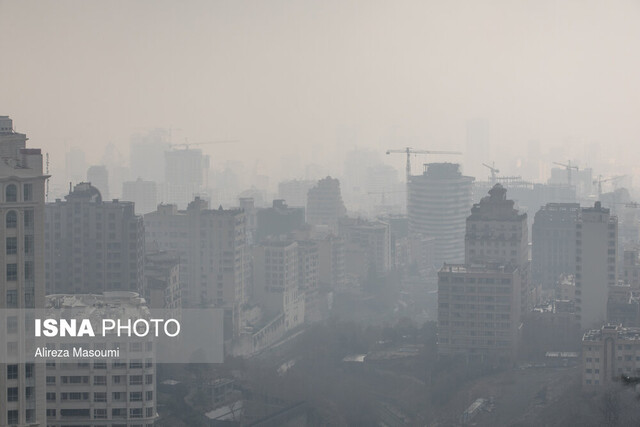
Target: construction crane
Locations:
point(568, 166)
point(494, 171)
point(600, 180)
point(186, 144)
point(409, 151)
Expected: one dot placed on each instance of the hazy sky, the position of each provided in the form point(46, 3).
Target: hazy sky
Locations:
point(307, 80)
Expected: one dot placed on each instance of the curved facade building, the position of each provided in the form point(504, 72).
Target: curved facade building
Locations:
point(439, 203)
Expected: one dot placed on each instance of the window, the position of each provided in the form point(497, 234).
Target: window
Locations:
point(12, 245)
point(149, 412)
point(135, 396)
point(28, 370)
point(12, 372)
point(51, 413)
point(12, 416)
point(100, 397)
point(51, 380)
point(148, 395)
point(100, 380)
point(135, 413)
point(148, 379)
point(12, 324)
point(12, 394)
point(11, 193)
point(28, 244)
point(99, 414)
point(135, 380)
point(27, 192)
point(12, 272)
point(28, 270)
point(28, 218)
point(11, 219)
point(12, 299)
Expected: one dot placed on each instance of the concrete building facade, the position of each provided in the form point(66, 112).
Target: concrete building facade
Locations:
point(22, 194)
point(479, 312)
point(497, 233)
point(214, 259)
point(104, 391)
point(596, 261)
point(608, 353)
point(439, 201)
point(92, 245)
point(553, 243)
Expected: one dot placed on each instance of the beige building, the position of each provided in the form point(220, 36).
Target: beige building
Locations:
point(609, 353)
point(479, 311)
point(22, 195)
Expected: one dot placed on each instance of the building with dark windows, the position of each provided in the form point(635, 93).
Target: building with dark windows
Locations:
point(553, 243)
point(596, 263)
point(92, 245)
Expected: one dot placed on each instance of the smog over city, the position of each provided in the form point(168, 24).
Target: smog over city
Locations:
point(349, 213)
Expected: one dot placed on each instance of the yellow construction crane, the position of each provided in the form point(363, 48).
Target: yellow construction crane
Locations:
point(186, 144)
point(494, 171)
point(569, 167)
point(409, 151)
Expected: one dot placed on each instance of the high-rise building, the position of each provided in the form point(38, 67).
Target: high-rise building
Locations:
point(92, 245)
point(324, 204)
point(22, 190)
point(162, 281)
point(368, 246)
point(295, 192)
point(498, 234)
point(631, 267)
point(596, 260)
point(98, 176)
point(186, 175)
point(278, 220)
point(438, 205)
point(146, 154)
point(214, 262)
point(144, 195)
point(107, 391)
point(553, 243)
point(276, 280)
point(479, 311)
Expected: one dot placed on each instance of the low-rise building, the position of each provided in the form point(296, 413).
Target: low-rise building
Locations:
point(609, 353)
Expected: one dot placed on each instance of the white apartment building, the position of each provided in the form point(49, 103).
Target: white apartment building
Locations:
point(102, 392)
point(22, 194)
